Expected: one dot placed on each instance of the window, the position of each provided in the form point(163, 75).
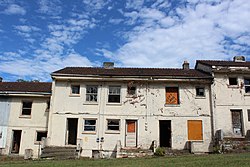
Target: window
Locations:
point(200, 91)
point(113, 124)
point(172, 95)
point(195, 130)
point(247, 85)
point(233, 81)
point(75, 89)
point(91, 93)
point(89, 125)
point(131, 90)
point(27, 105)
point(48, 106)
point(248, 113)
point(40, 135)
point(114, 94)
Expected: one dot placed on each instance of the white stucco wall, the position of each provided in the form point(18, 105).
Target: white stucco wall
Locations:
point(147, 108)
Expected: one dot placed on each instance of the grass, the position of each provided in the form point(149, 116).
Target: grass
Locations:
point(229, 160)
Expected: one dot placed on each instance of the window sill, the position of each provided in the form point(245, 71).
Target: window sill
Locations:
point(112, 132)
point(89, 132)
point(90, 103)
point(114, 104)
point(201, 141)
point(247, 94)
point(37, 143)
point(200, 97)
point(25, 116)
point(172, 105)
point(233, 86)
point(74, 95)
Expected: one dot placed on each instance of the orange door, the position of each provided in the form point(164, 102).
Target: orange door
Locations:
point(195, 130)
point(131, 134)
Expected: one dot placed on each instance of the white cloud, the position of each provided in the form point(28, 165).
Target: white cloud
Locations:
point(134, 4)
point(14, 9)
point(26, 32)
point(188, 33)
point(50, 7)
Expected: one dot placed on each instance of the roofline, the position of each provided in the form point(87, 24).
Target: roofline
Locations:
point(16, 93)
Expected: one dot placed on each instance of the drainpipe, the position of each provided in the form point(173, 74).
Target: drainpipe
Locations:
point(212, 109)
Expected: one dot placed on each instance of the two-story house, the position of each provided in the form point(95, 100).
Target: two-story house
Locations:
point(24, 111)
point(98, 106)
point(230, 95)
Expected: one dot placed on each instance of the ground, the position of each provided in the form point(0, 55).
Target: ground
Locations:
point(236, 160)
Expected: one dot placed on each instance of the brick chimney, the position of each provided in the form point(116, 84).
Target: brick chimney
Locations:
point(108, 65)
point(185, 65)
point(239, 59)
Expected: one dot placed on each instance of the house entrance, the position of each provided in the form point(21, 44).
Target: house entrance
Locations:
point(16, 141)
point(237, 122)
point(165, 133)
point(72, 124)
point(131, 133)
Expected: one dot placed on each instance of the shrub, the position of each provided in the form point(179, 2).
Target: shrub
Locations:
point(160, 151)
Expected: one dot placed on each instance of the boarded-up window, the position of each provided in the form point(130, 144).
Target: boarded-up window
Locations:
point(172, 95)
point(195, 130)
point(131, 126)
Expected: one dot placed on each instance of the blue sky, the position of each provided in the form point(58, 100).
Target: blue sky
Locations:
point(39, 37)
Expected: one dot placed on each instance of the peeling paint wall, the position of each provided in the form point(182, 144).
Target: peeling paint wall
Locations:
point(147, 107)
point(4, 115)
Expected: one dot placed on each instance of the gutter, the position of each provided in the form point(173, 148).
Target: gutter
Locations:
point(11, 93)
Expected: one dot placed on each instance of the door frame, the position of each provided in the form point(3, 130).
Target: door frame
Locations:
point(136, 132)
point(241, 121)
point(170, 138)
point(67, 131)
point(12, 141)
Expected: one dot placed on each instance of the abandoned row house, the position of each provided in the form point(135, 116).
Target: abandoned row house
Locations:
point(109, 109)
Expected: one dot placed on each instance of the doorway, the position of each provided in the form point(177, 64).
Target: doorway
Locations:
point(131, 133)
point(72, 126)
point(16, 141)
point(165, 133)
point(237, 122)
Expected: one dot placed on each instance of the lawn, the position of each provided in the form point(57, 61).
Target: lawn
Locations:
point(222, 160)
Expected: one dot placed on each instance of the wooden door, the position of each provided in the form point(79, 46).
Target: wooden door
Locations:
point(131, 133)
point(237, 122)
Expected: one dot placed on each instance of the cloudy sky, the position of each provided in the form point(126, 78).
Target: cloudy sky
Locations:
point(39, 37)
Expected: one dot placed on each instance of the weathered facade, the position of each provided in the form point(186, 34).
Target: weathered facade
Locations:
point(230, 95)
point(100, 107)
point(24, 116)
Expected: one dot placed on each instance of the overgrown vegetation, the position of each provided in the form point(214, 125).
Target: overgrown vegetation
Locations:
point(214, 160)
point(160, 151)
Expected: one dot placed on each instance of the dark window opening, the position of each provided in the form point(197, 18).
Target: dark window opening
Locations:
point(233, 81)
point(200, 91)
point(114, 94)
point(131, 90)
point(248, 113)
point(75, 89)
point(114, 125)
point(90, 125)
point(26, 110)
point(40, 135)
point(247, 85)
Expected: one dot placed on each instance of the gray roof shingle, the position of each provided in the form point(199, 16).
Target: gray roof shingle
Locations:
point(41, 87)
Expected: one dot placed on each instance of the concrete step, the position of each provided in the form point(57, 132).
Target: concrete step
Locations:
point(135, 152)
point(59, 152)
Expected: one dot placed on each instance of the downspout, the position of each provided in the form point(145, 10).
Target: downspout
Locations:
point(212, 109)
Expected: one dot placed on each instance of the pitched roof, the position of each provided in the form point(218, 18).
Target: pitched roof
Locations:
point(224, 63)
point(41, 87)
point(99, 71)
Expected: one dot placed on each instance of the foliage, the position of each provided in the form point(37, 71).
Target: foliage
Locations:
point(160, 151)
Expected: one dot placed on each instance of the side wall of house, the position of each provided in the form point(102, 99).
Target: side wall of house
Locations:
point(228, 98)
point(29, 125)
point(4, 115)
point(148, 107)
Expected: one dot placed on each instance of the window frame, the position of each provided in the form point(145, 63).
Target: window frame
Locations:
point(113, 102)
point(247, 85)
point(84, 124)
point(129, 90)
point(71, 89)
point(113, 130)
point(178, 96)
point(37, 132)
point(231, 85)
point(26, 101)
point(96, 94)
point(196, 92)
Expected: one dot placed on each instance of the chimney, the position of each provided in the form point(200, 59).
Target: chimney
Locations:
point(185, 65)
point(1, 79)
point(239, 59)
point(108, 65)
